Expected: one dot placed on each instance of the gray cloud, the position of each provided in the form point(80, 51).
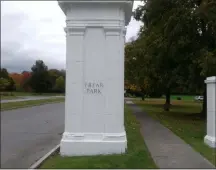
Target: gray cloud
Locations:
point(32, 30)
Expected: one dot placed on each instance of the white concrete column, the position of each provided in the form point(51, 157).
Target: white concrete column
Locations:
point(94, 107)
point(210, 138)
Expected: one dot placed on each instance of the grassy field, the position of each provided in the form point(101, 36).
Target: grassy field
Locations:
point(183, 97)
point(9, 97)
point(17, 94)
point(21, 104)
point(184, 120)
point(173, 97)
point(137, 155)
point(37, 94)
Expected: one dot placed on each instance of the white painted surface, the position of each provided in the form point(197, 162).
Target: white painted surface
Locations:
point(94, 108)
point(210, 138)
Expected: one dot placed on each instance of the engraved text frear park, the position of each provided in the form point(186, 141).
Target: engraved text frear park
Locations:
point(93, 88)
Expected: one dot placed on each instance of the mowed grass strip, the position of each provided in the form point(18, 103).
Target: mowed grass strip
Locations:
point(17, 94)
point(8, 97)
point(137, 155)
point(184, 120)
point(36, 94)
point(183, 97)
point(21, 104)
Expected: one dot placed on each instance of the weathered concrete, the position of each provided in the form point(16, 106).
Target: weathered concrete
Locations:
point(167, 149)
point(27, 98)
point(28, 134)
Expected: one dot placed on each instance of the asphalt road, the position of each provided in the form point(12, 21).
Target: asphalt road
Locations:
point(28, 134)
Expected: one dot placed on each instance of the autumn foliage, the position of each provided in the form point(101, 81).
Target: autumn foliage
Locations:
point(20, 80)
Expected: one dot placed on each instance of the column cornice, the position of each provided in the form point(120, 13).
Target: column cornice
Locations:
point(94, 22)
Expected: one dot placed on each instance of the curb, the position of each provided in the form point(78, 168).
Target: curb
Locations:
point(41, 160)
point(129, 102)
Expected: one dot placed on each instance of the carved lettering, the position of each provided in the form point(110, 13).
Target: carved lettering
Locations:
point(93, 87)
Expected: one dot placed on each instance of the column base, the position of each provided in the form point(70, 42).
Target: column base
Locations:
point(83, 144)
point(210, 141)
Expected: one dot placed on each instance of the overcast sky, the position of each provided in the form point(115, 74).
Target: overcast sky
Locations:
point(32, 30)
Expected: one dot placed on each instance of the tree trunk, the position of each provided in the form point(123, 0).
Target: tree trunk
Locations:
point(143, 97)
point(143, 94)
point(167, 103)
point(204, 106)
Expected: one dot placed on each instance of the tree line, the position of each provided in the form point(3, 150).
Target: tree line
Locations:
point(175, 50)
point(40, 80)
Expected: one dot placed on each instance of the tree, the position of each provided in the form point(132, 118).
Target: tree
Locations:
point(63, 73)
point(175, 35)
point(25, 81)
point(139, 68)
point(54, 74)
point(4, 73)
point(60, 84)
point(10, 83)
point(39, 80)
point(17, 78)
point(4, 83)
point(21, 80)
point(11, 86)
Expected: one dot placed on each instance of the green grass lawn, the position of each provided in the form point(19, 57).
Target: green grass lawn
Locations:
point(183, 97)
point(36, 94)
point(137, 155)
point(21, 104)
point(19, 94)
point(173, 97)
point(184, 120)
point(9, 97)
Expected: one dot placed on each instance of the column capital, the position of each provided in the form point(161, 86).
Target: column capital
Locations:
point(125, 5)
point(71, 22)
point(210, 80)
point(75, 30)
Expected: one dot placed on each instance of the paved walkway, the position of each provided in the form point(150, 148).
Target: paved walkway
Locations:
point(27, 98)
point(167, 149)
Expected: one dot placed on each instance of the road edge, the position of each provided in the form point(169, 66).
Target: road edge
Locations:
point(42, 159)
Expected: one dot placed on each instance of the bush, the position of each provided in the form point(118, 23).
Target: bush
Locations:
point(179, 98)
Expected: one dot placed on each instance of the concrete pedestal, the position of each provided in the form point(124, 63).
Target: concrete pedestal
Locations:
point(94, 107)
point(210, 138)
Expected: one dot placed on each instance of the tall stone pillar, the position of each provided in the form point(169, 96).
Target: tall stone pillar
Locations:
point(210, 138)
point(94, 107)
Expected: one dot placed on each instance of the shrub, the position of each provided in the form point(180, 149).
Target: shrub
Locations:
point(178, 98)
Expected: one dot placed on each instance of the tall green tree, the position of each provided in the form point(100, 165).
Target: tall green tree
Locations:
point(40, 80)
point(157, 46)
point(180, 37)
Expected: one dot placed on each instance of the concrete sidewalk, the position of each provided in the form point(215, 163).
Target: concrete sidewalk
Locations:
point(167, 149)
point(27, 98)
